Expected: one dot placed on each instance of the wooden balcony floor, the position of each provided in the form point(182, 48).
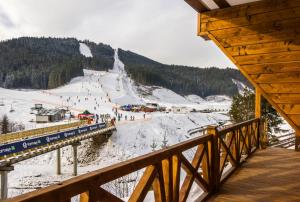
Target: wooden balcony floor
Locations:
point(269, 175)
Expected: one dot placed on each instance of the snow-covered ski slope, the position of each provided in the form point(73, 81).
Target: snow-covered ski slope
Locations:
point(85, 50)
point(99, 92)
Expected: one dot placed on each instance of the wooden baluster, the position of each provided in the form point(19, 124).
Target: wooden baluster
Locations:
point(144, 184)
point(258, 133)
point(157, 190)
point(236, 147)
point(233, 147)
point(247, 137)
point(159, 185)
point(243, 141)
point(214, 153)
point(188, 181)
point(205, 165)
point(84, 197)
point(98, 194)
point(167, 168)
point(176, 177)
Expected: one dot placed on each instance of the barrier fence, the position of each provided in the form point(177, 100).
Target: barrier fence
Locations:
point(10, 137)
point(35, 142)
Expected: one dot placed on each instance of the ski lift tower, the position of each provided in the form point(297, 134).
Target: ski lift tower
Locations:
point(1, 102)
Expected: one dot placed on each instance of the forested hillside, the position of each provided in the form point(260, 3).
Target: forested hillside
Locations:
point(181, 79)
point(42, 63)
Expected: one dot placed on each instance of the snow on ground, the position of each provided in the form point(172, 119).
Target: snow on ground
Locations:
point(167, 96)
point(99, 92)
point(85, 50)
point(194, 99)
point(218, 98)
point(240, 86)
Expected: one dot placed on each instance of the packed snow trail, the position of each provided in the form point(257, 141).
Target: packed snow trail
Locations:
point(124, 85)
point(85, 50)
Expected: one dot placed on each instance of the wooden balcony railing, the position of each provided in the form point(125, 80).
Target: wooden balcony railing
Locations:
point(192, 170)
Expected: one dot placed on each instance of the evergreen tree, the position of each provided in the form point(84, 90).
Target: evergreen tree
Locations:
point(243, 109)
point(5, 124)
point(183, 80)
point(153, 145)
point(164, 142)
point(42, 63)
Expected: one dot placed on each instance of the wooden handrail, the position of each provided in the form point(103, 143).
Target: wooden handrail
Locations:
point(161, 169)
point(237, 125)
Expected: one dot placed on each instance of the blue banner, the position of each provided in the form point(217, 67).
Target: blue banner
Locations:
point(23, 145)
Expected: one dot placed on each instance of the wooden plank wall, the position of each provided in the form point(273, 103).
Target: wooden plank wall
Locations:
point(263, 40)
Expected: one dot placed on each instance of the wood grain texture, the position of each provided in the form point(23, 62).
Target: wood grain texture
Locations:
point(259, 38)
point(288, 56)
point(267, 27)
point(272, 68)
point(249, 9)
point(263, 40)
point(262, 48)
point(277, 78)
point(247, 20)
point(222, 3)
point(197, 5)
point(287, 88)
point(269, 175)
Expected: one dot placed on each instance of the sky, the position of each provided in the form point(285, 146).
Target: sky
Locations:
point(163, 30)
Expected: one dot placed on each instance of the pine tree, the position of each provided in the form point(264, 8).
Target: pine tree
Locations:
point(164, 141)
point(243, 109)
point(153, 145)
point(5, 124)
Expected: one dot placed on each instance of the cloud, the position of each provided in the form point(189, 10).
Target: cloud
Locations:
point(5, 19)
point(162, 30)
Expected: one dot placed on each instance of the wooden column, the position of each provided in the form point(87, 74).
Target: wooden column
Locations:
point(75, 160)
point(4, 181)
point(261, 130)
point(257, 103)
point(214, 177)
point(58, 164)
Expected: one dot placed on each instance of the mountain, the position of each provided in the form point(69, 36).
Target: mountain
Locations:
point(183, 80)
point(43, 63)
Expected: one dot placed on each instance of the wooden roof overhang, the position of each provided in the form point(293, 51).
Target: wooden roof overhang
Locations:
point(262, 39)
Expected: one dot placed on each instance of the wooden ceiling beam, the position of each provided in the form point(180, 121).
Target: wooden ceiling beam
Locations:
point(197, 5)
point(293, 121)
point(289, 88)
point(263, 40)
point(222, 3)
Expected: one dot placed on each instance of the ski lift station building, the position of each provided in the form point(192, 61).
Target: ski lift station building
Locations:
point(50, 115)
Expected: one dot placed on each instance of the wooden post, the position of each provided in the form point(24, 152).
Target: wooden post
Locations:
point(4, 189)
point(257, 103)
point(297, 141)
point(261, 130)
point(58, 164)
point(215, 159)
point(75, 160)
